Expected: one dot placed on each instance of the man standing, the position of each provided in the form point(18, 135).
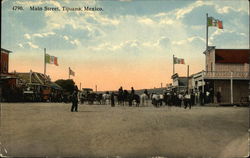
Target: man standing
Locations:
point(112, 98)
point(218, 96)
point(187, 100)
point(74, 101)
point(131, 97)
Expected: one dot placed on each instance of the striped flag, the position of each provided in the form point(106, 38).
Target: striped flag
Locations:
point(178, 60)
point(214, 22)
point(71, 72)
point(51, 59)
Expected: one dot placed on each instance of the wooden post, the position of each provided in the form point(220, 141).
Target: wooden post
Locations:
point(206, 32)
point(30, 76)
point(173, 66)
point(44, 61)
point(231, 88)
point(188, 78)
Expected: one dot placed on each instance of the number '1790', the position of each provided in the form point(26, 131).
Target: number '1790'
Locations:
point(17, 8)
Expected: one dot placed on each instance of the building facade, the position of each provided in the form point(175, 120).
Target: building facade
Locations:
point(226, 75)
point(180, 84)
point(4, 61)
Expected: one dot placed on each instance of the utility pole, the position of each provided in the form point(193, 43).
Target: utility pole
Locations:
point(173, 66)
point(206, 32)
point(69, 72)
point(30, 76)
point(44, 61)
point(187, 78)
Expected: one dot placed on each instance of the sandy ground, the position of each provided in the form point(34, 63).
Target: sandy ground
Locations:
point(50, 129)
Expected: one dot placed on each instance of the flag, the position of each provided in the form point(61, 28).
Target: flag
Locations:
point(51, 59)
point(178, 61)
point(71, 72)
point(214, 22)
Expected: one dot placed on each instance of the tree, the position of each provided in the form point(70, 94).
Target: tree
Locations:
point(67, 85)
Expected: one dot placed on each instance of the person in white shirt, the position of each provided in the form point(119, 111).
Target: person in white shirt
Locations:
point(187, 100)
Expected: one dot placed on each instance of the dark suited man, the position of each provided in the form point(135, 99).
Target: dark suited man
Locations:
point(74, 101)
point(112, 98)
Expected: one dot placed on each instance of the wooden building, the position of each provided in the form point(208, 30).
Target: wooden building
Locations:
point(226, 73)
point(179, 83)
point(4, 61)
point(5, 77)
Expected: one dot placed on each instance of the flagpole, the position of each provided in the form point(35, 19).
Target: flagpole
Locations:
point(69, 72)
point(207, 32)
point(173, 65)
point(187, 78)
point(44, 61)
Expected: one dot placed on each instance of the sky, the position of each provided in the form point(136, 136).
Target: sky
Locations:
point(129, 43)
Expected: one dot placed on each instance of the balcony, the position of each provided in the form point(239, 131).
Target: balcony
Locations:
point(226, 75)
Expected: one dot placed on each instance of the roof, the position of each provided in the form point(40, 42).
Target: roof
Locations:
point(237, 56)
point(209, 48)
point(37, 78)
point(8, 51)
point(34, 77)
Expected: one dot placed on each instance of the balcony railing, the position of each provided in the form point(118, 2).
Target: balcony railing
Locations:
point(226, 75)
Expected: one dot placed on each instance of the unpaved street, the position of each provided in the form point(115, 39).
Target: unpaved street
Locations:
point(50, 129)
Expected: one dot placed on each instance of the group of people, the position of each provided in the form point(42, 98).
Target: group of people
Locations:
point(169, 98)
point(124, 96)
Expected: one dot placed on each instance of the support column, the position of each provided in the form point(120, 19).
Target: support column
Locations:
point(231, 88)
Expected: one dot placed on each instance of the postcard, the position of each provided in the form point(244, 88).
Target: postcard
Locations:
point(124, 78)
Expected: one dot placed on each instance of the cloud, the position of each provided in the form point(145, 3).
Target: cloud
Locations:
point(164, 42)
point(20, 45)
point(66, 37)
point(180, 13)
point(226, 9)
point(41, 35)
point(27, 36)
point(75, 42)
point(146, 21)
point(189, 40)
point(31, 45)
point(167, 21)
point(125, 46)
point(225, 32)
point(37, 35)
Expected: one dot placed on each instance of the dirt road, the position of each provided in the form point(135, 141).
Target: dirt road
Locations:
point(50, 129)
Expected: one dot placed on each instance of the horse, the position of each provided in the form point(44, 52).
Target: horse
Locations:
point(120, 97)
point(106, 98)
point(157, 99)
point(144, 98)
point(98, 98)
point(134, 98)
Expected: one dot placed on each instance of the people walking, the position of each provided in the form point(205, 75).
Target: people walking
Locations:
point(131, 97)
point(74, 101)
point(146, 92)
point(112, 98)
point(180, 98)
point(218, 96)
point(202, 98)
point(187, 100)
